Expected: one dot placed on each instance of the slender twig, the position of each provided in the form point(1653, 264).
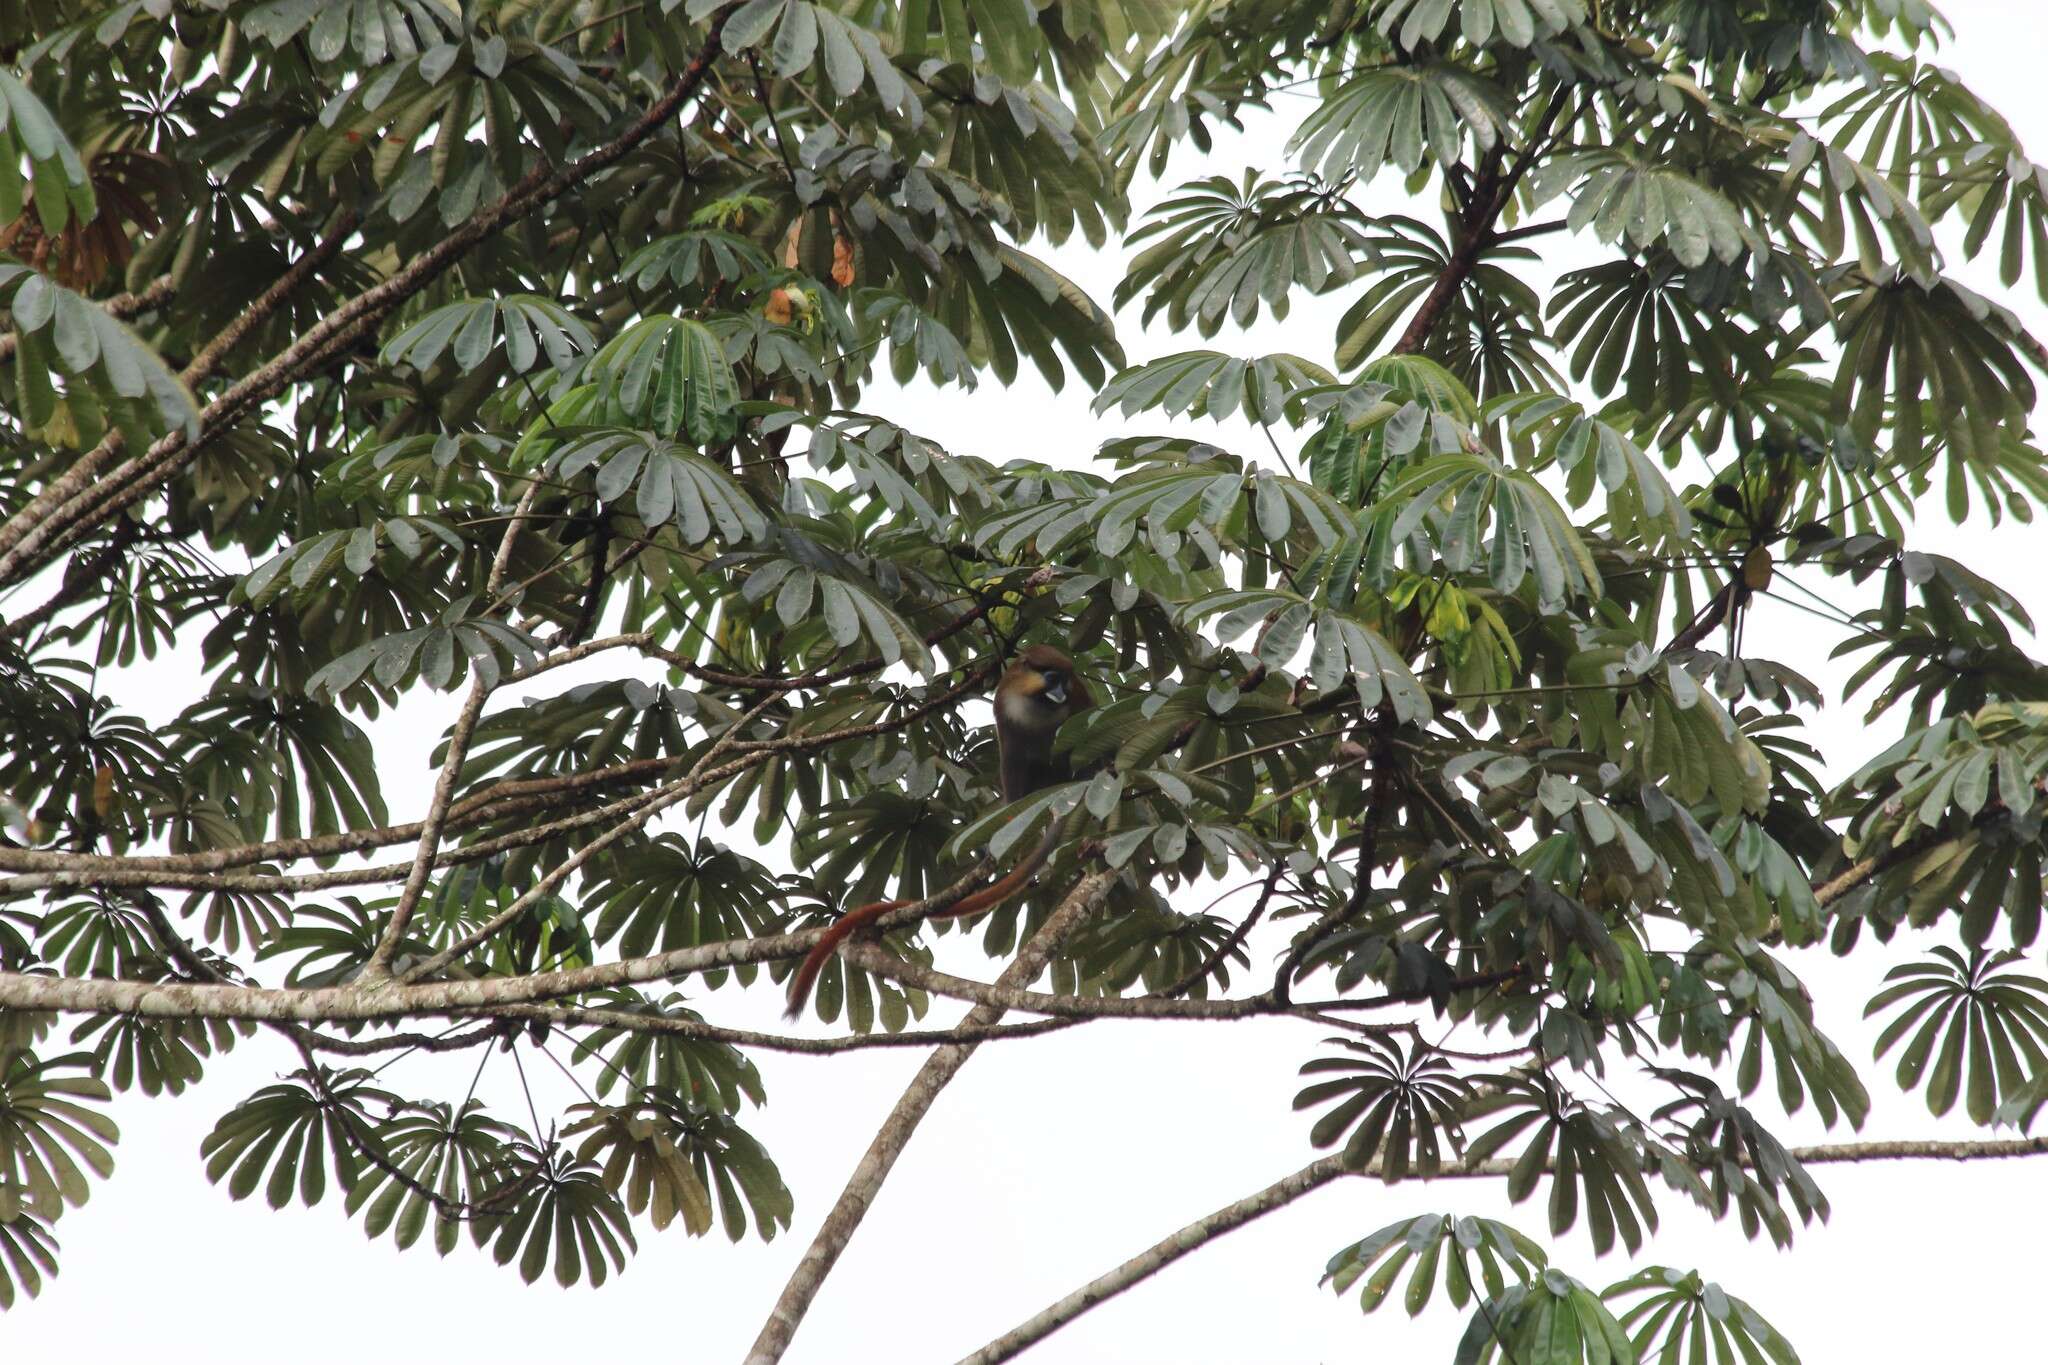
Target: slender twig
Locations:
point(701, 1031)
point(1237, 936)
point(480, 689)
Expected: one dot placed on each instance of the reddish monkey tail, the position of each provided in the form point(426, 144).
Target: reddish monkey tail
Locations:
point(821, 952)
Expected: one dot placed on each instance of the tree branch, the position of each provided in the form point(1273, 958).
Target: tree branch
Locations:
point(873, 958)
point(480, 689)
point(31, 538)
point(22, 532)
point(43, 869)
point(896, 1130)
point(1156, 1258)
point(1236, 938)
point(1323, 1171)
point(578, 1016)
point(1491, 192)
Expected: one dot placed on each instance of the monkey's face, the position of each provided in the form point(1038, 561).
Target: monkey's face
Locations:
point(1039, 691)
point(1034, 702)
point(1054, 691)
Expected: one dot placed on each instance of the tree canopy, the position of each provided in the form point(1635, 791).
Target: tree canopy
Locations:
point(361, 349)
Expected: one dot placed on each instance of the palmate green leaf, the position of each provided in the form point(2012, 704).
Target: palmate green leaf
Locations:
point(954, 29)
point(676, 1066)
point(1775, 1016)
point(1376, 429)
point(1409, 258)
point(913, 477)
point(1997, 190)
point(1910, 112)
point(1631, 325)
point(702, 258)
point(439, 655)
point(1021, 144)
point(1630, 200)
point(643, 1162)
point(299, 1132)
point(1153, 945)
point(1400, 116)
point(1167, 504)
point(1952, 767)
point(885, 838)
point(160, 1056)
point(1588, 1161)
point(468, 331)
point(58, 183)
point(1006, 827)
point(306, 568)
point(917, 340)
point(1390, 1108)
point(1475, 506)
point(372, 29)
point(865, 999)
point(845, 609)
point(462, 1155)
point(1680, 737)
point(797, 38)
point(96, 935)
point(1442, 398)
point(595, 724)
point(1213, 385)
point(1431, 1240)
point(1977, 1029)
point(1679, 1312)
point(563, 1213)
point(1641, 504)
point(670, 374)
point(1902, 341)
point(28, 1253)
point(1737, 1162)
point(1551, 1320)
point(669, 483)
point(1348, 647)
point(1029, 307)
point(1518, 23)
point(119, 379)
point(51, 1135)
point(528, 97)
point(736, 1169)
point(1848, 197)
point(1220, 249)
point(669, 893)
point(284, 766)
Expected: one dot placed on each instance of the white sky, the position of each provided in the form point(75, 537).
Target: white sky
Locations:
point(1048, 1161)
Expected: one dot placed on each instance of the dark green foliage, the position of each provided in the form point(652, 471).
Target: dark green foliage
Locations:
point(520, 355)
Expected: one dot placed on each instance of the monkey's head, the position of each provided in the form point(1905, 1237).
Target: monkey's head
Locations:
point(1039, 691)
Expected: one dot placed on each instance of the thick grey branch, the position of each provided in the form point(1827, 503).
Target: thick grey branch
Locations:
point(895, 1132)
point(1319, 1173)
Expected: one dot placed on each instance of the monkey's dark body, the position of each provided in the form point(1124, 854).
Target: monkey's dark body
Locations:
point(1036, 695)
